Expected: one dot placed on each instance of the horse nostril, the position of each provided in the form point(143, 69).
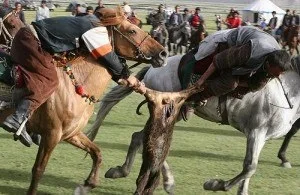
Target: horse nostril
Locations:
point(163, 54)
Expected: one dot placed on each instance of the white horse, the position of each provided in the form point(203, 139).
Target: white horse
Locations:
point(261, 115)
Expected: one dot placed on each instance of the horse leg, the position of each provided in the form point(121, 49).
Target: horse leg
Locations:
point(81, 141)
point(281, 154)
point(124, 170)
point(153, 182)
point(168, 178)
point(255, 142)
point(45, 149)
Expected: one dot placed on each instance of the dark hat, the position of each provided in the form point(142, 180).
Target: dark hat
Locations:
point(43, 1)
point(186, 9)
point(89, 8)
point(273, 12)
point(198, 8)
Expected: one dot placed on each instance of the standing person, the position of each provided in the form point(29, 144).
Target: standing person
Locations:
point(286, 19)
point(273, 23)
point(42, 12)
point(295, 20)
point(100, 6)
point(233, 21)
point(219, 22)
point(19, 11)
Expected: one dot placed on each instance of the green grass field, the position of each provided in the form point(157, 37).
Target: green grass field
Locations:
point(200, 150)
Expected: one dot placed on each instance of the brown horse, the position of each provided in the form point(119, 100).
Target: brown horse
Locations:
point(64, 115)
point(8, 30)
point(134, 20)
point(292, 39)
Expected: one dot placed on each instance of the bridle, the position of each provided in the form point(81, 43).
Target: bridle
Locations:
point(139, 53)
point(3, 31)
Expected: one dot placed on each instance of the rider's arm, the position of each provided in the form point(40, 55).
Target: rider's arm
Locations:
point(97, 41)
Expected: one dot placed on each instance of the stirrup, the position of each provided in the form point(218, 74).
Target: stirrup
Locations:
point(19, 131)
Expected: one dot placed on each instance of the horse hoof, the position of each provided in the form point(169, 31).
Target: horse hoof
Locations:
point(114, 173)
point(214, 185)
point(82, 190)
point(286, 165)
point(169, 188)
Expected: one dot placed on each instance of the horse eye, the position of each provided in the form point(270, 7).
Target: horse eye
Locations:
point(132, 32)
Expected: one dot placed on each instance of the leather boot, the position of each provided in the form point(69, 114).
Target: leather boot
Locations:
point(18, 120)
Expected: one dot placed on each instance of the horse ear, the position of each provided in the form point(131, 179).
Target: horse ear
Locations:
point(119, 11)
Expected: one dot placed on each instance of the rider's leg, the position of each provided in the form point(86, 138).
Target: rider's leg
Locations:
point(221, 85)
point(40, 77)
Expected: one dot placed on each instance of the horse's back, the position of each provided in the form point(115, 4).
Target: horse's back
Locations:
point(164, 78)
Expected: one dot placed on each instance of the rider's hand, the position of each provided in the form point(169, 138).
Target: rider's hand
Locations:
point(199, 83)
point(133, 82)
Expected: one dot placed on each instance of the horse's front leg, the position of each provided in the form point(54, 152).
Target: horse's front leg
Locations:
point(282, 151)
point(48, 143)
point(255, 142)
point(81, 141)
point(124, 170)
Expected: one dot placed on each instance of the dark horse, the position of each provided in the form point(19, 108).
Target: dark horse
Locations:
point(197, 35)
point(64, 115)
point(179, 37)
point(159, 34)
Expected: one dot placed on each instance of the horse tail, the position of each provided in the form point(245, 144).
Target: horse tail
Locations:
point(112, 98)
point(137, 111)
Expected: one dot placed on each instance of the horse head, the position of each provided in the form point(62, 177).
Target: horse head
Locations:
point(10, 24)
point(130, 41)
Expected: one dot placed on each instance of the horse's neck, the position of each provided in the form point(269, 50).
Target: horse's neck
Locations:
point(87, 72)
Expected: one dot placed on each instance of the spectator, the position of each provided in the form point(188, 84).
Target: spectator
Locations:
point(127, 9)
point(185, 15)
point(19, 11)
point(218, 22)
point(196, 19)
point(42, 12)
point(273, 23)
point(100, 6)
point(263, 24)
point(5, 8)
point(233, 21)
point(286, 19)
point(176, 17)
point(294, 19)
point(159, 17)
point(89, 10)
